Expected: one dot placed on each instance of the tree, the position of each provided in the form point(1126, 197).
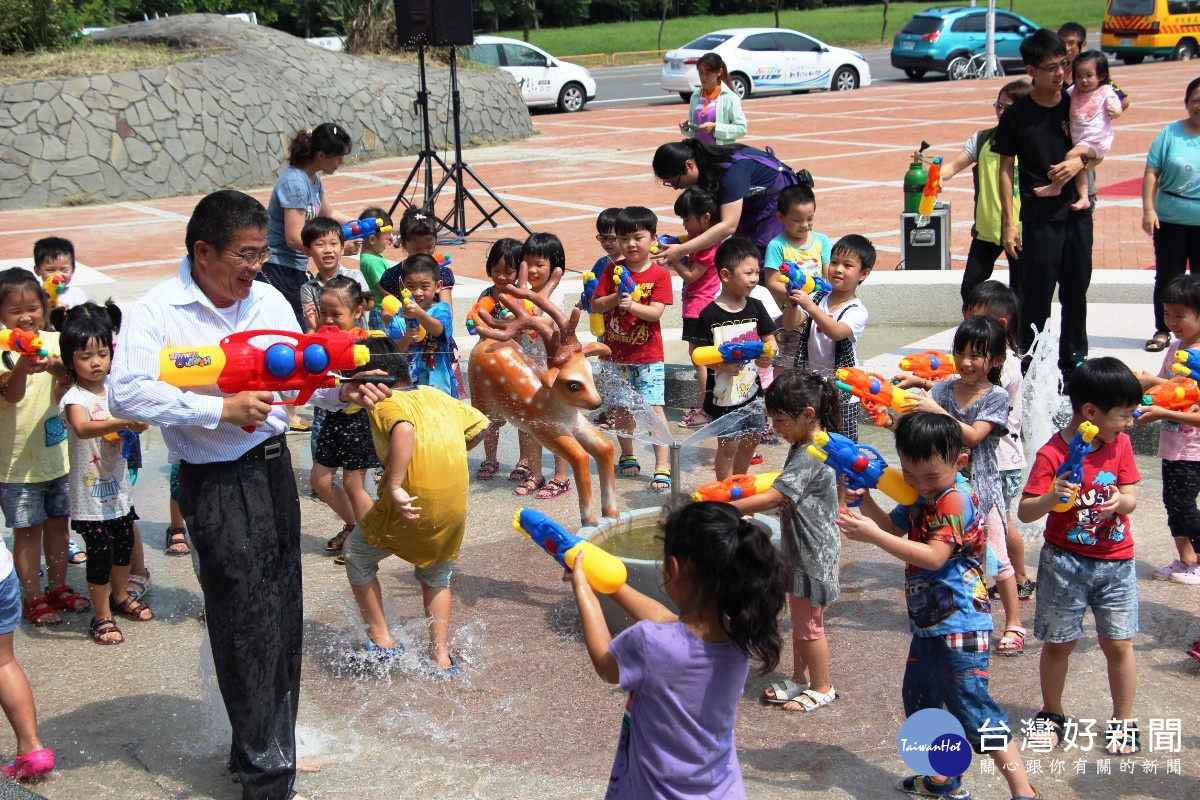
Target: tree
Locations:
point(662, 20)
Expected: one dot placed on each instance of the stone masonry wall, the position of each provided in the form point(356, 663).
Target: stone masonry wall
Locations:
point(225, 118)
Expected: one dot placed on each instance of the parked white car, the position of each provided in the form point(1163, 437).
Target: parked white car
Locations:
point(767, 60)
point(544, 79)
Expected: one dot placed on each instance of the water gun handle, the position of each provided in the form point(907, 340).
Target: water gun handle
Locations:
point(1072, 468)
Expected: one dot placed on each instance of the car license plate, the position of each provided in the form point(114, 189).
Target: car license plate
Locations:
point(1127, 43)
point(675, 65)
point(908, 45)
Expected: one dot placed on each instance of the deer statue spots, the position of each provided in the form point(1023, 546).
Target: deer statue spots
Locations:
point(548, 403)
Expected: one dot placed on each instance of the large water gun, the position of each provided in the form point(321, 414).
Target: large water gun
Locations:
point(364, 228)
point(860, 466)
point(1072, 468)
point(626, 285)
point(392, 306)
point(876, 394)
point(15, 340)
point(443, 259)
point(1187, 363)
point(604, 572)
point(591, 282)
point(302, 364)
point(735, 487)
point(666, 240)
point(126, 438)
point(732, 353)
point(1177, 394)
point(930, 365)
point(933, 185)
point(54, 286)
point(797, 279)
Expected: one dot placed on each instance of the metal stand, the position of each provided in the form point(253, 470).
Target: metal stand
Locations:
point(427, 155)
point(456, 220)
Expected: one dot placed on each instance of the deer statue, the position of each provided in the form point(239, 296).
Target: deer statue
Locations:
point(506, 384)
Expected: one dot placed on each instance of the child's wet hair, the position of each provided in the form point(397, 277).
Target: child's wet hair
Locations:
point(52, 247)
point(1106, 383)
point(735, 568)
point(386, 356)
point(17, 280)
point(83, 324)
point(923, 436)
point(795, 195)
point(856, 245)
point(506, 251)
point(734, 250)
point(998, 301)
point(547, 246)
point(416, 222)
point(794, 390)
point(696, 201)
point(632, 219)
point(347, 289)
point(1094, 57)
point(1183, 291)
point(983, 336)
point(421, 264)
point(606, 220)
point(317, 227)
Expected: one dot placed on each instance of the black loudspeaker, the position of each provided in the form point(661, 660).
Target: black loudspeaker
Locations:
point(434, 22)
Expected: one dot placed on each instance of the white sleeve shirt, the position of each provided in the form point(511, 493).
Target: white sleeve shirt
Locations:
point(178, 314)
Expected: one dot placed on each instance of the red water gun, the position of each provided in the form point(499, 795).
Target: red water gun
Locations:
point(22, 342)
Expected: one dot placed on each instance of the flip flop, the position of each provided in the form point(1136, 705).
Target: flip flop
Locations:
point(74, 554)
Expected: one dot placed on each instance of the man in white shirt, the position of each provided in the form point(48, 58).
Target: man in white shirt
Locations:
point(237, 490)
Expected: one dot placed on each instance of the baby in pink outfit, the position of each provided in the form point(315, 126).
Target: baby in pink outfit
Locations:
point(1094, 105)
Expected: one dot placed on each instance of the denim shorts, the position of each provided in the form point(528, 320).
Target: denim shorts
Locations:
point(10, 603)
point(28, 504)
point(939, 676)
point(1068, 584)
point(1010, 480)
point(362, 563)
point(648, 382)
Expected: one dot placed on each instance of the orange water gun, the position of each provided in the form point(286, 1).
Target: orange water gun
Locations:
point(930, 365)
point(875, 392)
point(54, 286)
point(1177, 394)
point(933, 185)
point(15, 340)
point(735, 487)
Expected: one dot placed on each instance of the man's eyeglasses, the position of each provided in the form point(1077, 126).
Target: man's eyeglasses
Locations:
point(605, 238)
point(250, 257)
point(1057, 66)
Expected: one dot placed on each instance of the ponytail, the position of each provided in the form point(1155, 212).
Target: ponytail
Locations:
point(794, 390)
point(328, 138)
point(734, 567)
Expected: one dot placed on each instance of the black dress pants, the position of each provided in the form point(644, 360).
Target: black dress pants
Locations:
point(1057, 253)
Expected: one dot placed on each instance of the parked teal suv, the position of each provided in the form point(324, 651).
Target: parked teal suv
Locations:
point(936, 36)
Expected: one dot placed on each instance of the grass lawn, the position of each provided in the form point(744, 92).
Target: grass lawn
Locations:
point(846, 26)
point(86, 58)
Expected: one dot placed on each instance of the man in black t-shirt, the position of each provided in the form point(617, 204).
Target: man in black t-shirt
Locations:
point(1055, 243)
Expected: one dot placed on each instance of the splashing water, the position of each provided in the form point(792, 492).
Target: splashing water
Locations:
point(728, 424)
point(1043, 407)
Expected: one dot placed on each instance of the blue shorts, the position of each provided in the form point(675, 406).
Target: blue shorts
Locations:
point(1068, 584)
point(646, 381)
point(28, 504)
point(10, 603)
point(939, 676)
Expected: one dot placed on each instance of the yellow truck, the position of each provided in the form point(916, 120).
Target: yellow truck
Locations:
point(1134, 29)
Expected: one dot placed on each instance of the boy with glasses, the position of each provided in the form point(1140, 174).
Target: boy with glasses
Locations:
point(1054, 243)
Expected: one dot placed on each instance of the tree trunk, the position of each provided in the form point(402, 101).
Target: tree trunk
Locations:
point(778, 3)
point(662, 21)
point(883, 33)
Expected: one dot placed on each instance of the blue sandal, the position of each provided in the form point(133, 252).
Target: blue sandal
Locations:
point(661, 482)
point(74, 554)
point(628, 467)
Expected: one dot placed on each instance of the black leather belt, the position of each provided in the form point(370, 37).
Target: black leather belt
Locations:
point(271, 448)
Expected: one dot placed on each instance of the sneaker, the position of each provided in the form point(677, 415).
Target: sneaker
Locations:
point(758, 459)
point(1165, 573)
point(1190, 576)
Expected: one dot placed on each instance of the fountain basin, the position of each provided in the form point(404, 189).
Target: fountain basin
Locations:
point(633, 538)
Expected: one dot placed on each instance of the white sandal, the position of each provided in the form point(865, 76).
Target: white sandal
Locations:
point(811, 700)
point(785, 692)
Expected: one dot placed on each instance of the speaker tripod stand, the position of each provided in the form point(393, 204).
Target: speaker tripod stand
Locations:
point(454, 221)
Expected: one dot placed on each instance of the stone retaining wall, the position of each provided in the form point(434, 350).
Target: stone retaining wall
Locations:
point(225, 118)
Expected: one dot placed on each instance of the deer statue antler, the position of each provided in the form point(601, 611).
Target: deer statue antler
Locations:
point(559, 338)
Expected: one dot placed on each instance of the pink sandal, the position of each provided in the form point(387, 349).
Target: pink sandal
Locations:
point(554, 488)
